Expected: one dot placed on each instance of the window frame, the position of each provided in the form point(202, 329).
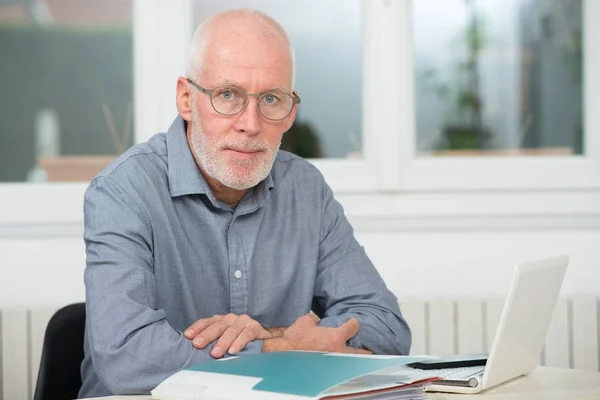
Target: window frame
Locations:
point(423, 174)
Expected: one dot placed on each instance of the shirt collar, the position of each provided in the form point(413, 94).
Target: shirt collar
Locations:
point(185, 177)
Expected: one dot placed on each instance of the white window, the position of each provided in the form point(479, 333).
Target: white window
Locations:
point(536, 71)
point(498, 78)
point(67, 88)
point(67, 104)
point(403, 168)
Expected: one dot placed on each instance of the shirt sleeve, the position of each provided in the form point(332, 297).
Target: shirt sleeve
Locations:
point(348, 285)
point(133, 347)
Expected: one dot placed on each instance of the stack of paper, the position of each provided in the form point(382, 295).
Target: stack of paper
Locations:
point(295, 375)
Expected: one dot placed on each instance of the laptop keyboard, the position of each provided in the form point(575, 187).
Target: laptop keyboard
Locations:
point(453, 374)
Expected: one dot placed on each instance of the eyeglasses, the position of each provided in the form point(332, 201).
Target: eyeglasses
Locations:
point(229, 100)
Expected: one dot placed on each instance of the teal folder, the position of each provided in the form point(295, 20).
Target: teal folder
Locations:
point(301, 373)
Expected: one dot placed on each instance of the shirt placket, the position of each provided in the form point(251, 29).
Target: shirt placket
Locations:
point(238, 279)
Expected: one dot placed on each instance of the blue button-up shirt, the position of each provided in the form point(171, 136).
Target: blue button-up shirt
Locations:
point(163, 252)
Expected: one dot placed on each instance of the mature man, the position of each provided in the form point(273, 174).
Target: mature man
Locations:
point(208, 241)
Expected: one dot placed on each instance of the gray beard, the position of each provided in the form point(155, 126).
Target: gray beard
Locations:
point(215, 165)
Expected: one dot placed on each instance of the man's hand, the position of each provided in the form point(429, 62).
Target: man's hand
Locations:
point(233, 331)
point(305, 334)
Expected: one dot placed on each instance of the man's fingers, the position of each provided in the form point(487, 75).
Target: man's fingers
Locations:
point(253, 330)
point(228, 329)
point(209, 334)
point(245, 337)
point(226, 339)
point(200, 325)
point(349, 328)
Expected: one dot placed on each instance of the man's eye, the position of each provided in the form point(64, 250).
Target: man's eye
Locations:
point(227, 94)
point(270, 99)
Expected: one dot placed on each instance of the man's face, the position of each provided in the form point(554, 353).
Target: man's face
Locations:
point(239, 150)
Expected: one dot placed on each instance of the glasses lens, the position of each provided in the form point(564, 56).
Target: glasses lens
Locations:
point(276, 105)
point(228, 100)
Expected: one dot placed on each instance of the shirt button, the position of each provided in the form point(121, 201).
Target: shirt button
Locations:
point(238, 274)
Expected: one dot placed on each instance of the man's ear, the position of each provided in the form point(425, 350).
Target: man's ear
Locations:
point(184, 99)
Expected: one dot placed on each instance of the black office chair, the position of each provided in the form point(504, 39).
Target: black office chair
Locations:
point(59, 375)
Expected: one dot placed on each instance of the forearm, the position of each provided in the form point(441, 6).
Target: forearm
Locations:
point(365, 297)
point(381, 331)
point(132, 344)
point(348, 285)
point(139, 362)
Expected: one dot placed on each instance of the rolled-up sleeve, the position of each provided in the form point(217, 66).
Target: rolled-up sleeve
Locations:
point(133, 347)
point(348, 285)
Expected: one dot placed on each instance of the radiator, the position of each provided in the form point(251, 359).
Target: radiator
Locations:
point(439, 327)
point(445, 327)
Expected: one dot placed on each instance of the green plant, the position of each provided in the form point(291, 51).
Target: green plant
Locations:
point(463, 126)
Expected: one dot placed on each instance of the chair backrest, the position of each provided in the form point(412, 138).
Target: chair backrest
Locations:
point(62, 353)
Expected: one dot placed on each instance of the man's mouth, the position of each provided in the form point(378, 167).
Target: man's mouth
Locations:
point(244, 151)
point(242, 154)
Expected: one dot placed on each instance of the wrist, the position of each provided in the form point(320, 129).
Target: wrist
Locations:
point(277, 344)
point(276, 332)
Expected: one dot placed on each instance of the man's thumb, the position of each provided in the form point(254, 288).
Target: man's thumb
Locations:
point(350, 328)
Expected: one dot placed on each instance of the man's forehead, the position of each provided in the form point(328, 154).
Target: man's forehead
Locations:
point(243, 38)
point(243, 24)
point(240, 66)
point(246, 47)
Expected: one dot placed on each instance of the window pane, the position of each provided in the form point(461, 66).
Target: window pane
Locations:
point(67, 87)
point(327, 37)
point(498, 77)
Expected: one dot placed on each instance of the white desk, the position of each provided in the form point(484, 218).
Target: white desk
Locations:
point(542, 384)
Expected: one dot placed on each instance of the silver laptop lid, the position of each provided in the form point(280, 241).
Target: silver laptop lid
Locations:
point(525, 319)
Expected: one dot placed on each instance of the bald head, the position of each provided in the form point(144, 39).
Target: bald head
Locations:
point(233, 27)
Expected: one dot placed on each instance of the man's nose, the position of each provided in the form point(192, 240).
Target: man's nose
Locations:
point(250, 119)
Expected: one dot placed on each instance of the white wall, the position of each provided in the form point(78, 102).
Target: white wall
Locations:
point(428, 265)
point(41, 271)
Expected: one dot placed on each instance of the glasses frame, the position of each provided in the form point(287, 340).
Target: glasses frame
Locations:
point(295, 99)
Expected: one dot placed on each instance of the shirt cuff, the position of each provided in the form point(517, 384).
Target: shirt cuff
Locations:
point(336, 321)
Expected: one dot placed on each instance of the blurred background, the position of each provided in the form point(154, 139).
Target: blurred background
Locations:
point(490, 77)
point(67, 83)
point(461, 136)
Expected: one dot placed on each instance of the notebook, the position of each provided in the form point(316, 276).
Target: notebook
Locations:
point(521, 332)
point(294, 375)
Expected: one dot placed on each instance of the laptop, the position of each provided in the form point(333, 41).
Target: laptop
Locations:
point(521, 332)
